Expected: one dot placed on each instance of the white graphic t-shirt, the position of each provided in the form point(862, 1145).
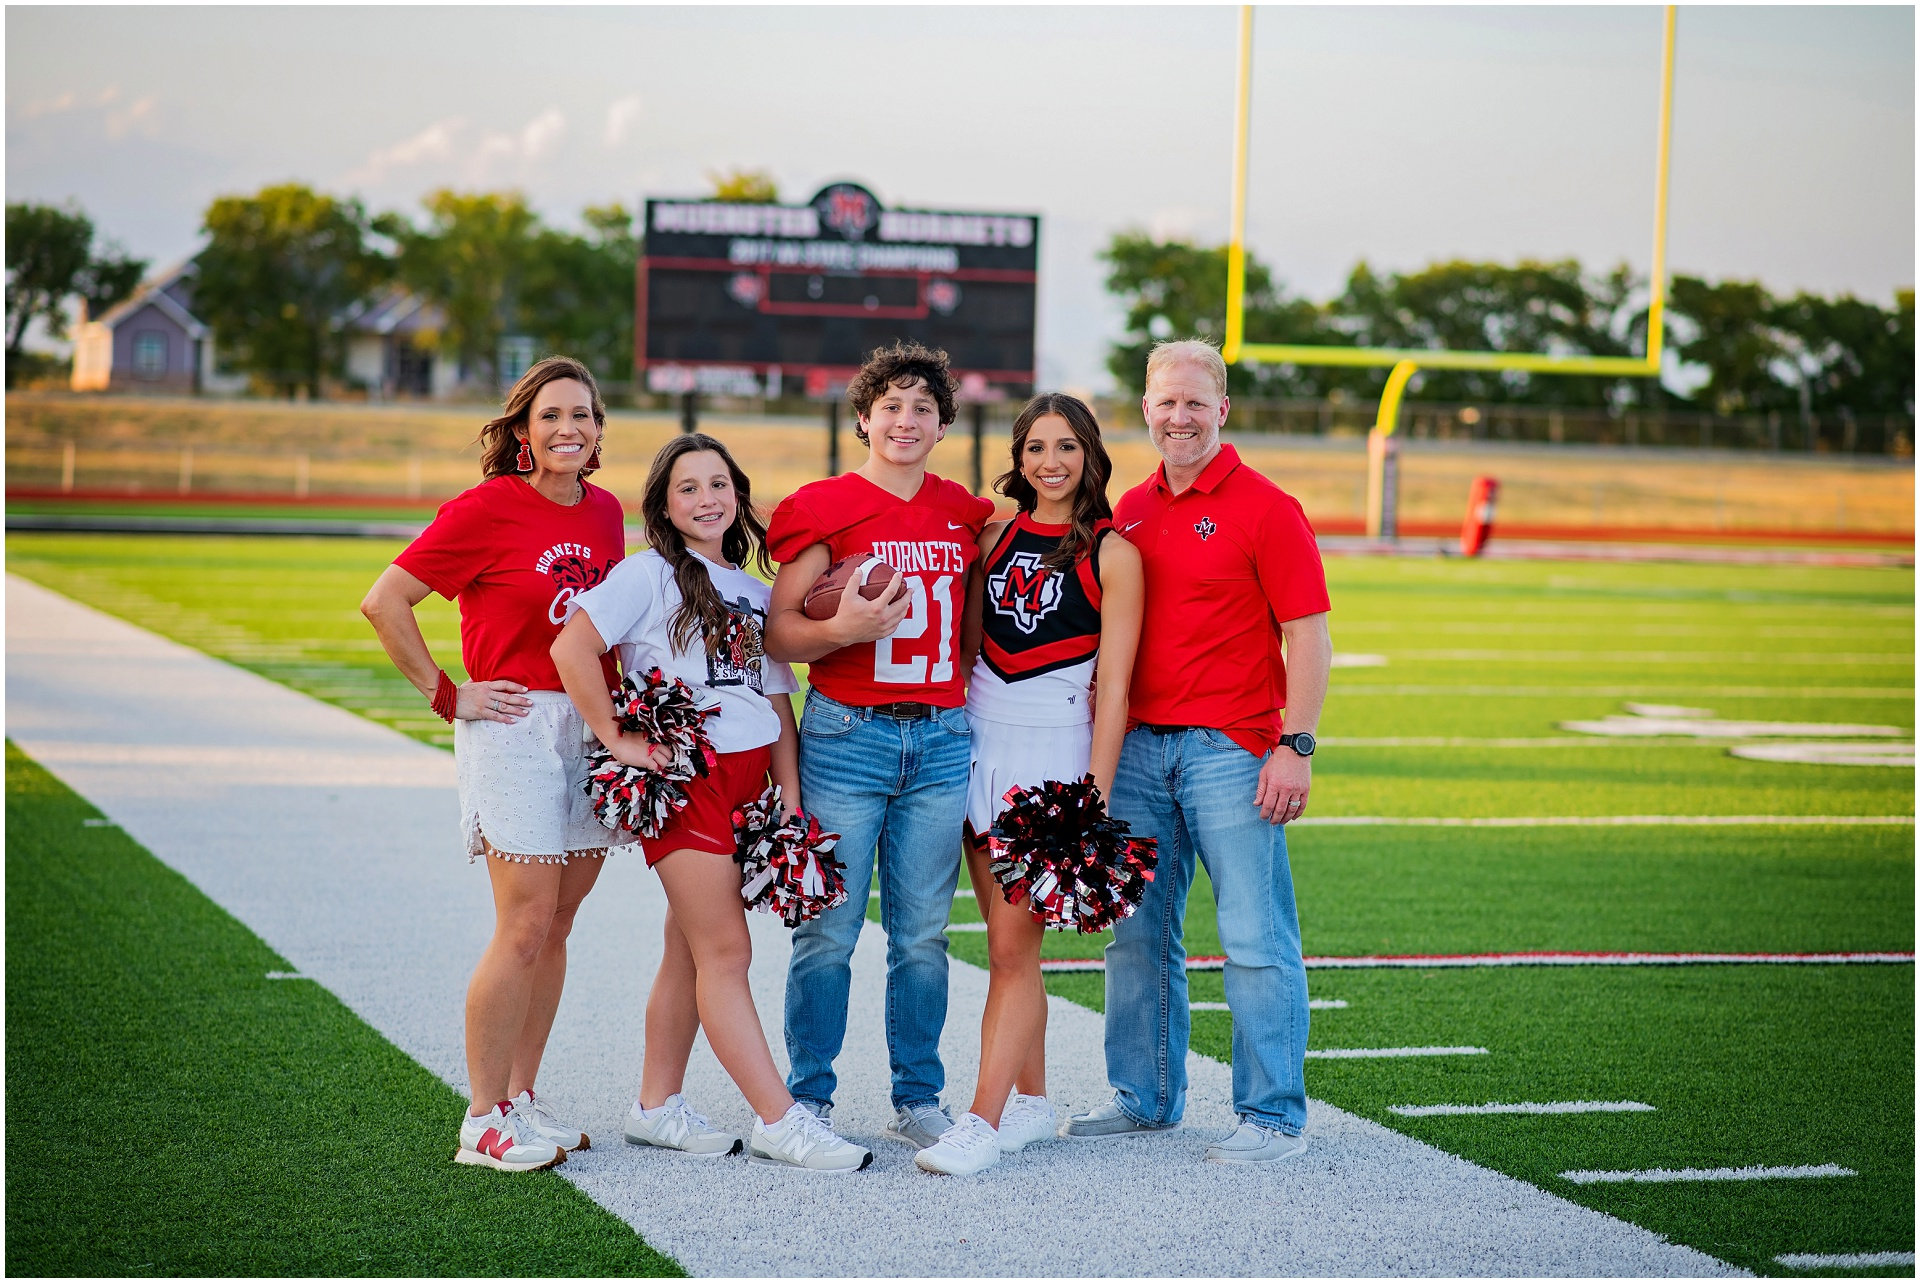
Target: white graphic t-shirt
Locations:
point(632, 609)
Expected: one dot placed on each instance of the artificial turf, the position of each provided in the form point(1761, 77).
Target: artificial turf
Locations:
point(176, 1112)
point(1745, 1065)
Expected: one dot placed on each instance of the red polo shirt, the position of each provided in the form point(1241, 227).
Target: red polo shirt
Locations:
point(1228, 560)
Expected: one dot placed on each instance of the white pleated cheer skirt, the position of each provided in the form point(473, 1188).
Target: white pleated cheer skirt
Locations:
point(1007, 756)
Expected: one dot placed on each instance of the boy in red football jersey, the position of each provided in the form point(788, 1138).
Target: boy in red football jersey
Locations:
point(884, 741)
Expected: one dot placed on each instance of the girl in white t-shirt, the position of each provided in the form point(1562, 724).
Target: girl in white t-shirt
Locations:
point(688, 606)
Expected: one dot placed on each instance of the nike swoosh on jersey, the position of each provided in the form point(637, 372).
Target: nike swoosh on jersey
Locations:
point(951, 526)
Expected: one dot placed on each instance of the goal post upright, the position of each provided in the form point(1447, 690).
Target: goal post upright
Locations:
point(1405, 362)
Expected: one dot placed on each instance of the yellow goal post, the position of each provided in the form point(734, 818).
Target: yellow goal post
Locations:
point(1405, 362)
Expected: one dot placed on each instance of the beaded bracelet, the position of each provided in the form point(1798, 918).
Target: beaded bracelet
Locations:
point(444, 696)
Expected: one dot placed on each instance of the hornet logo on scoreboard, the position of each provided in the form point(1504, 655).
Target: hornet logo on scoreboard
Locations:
point(848, 208)
point(1023, 591)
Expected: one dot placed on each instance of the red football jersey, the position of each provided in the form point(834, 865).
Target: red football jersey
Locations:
point(514, 559)
point(932, 540)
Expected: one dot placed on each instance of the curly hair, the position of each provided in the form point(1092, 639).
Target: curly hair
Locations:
point(1090, 504)
point(898, 367)
point(701, 612)
point(500, 438)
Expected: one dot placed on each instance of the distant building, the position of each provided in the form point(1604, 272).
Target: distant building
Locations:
point(150, 342)
point(393, 347)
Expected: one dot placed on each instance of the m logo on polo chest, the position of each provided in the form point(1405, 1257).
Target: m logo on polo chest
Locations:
point(1204, 528)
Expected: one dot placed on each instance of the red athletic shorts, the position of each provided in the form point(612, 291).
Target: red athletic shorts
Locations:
point(707, 822)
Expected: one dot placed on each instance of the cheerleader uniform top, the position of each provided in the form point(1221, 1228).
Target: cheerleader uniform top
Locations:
point(1040, 630)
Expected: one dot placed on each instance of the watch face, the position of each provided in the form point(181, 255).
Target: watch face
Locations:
point(1303, 744)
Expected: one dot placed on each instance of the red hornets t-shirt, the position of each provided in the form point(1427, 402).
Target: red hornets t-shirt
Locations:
point(514, 559)
point(932, 540)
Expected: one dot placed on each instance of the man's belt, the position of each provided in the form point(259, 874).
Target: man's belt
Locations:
point(1166, 730)
point(904, 712)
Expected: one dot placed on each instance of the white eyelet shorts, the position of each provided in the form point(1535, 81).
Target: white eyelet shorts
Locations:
point(523, 786)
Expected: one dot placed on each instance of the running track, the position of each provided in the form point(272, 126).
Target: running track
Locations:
point(334, 839)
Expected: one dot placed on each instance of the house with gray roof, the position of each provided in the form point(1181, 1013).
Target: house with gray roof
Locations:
point(150, 342)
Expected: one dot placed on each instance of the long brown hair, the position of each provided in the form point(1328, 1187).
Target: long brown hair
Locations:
point(1090, 500)
point(701, 613)
point(500, 439)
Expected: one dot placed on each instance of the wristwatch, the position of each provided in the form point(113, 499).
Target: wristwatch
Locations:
point(1301, 743)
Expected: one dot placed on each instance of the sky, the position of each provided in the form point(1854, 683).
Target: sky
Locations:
point(1398, 136)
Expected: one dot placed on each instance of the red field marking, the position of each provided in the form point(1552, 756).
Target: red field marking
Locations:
point(1575, 958)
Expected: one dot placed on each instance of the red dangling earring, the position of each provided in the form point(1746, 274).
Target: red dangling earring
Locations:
point(523, 462)
point(593, 461)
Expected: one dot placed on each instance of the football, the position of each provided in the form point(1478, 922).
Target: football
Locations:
point(871, 573)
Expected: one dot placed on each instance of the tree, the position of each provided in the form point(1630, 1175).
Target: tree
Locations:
point(1849, 353)
point(1733, 336)
point(1489, 307)
point(50, 259)
point(579, 292)
point(1175, 289)
point(745, 187)
point(473, 260)
point(278, 268)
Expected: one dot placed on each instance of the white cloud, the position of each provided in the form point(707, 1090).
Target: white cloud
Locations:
point(622, 116)
point(136, 115)
point(541, 133)
point(435, 142)
point(528, 143)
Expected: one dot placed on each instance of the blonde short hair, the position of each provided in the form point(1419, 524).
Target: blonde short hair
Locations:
point(1189, 352)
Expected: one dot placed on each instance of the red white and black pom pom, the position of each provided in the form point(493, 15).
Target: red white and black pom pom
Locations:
point(786, 863)
point(1076, 865)
point(665, 711)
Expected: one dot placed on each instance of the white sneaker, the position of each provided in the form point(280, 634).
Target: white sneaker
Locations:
point(550, 1128)
point(1253, 1142)
point(1027, 1120)
point(676, 1126)
point(504, 1140)
point(801, 1140)
point(969, 1146)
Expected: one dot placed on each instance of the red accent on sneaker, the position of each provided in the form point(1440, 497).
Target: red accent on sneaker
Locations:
point(493, 1144)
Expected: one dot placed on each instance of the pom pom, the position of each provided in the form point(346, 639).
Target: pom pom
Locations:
point(786, 863)
point(664, 710)
point(1076, 865)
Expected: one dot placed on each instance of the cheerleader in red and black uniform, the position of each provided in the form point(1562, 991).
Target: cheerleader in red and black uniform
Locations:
point(1061, 605)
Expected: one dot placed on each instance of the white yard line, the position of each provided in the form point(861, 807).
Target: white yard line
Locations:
point(348, 863)
point(1454, 690)
point(1583, 821)
point(1429, 961)
point(1547, 1107)
point(1842, 1260)
point(1658, 1175)
point(1389, 1053)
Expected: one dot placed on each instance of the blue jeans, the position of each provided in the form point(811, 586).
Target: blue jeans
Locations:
point(1193, 790)
point(900, 787)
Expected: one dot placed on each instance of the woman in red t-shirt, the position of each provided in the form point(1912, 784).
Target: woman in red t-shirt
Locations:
point(514, 551)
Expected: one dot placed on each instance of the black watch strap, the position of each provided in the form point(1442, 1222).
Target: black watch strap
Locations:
point(1301, 743)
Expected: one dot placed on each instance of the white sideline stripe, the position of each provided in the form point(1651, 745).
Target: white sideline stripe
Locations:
point(91, 823)
point(1511, 741)
point(1663, 1174)
point(1842, 1260)
point(1423, 961)
point(1583, 821)
point(285, 975)
point(1548, 1107)
point(1313, 1004)
point(1372, 1053)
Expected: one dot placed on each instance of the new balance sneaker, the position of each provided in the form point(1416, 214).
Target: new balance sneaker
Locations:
point(821, 1109)
point(1104, 1123)
point(535, 1111)
point(676, 1126)
point(1027, 1120)
point(919, 1125)
point(800, 1140)
point(1253, 1142)
point(968, 1147)
point(503, 1139)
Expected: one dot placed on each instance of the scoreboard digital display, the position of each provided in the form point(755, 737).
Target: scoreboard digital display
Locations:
point(753, 299)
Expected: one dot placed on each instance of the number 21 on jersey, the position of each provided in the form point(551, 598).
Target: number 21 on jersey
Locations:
point(922, 606)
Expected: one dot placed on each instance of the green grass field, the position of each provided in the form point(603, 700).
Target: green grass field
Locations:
point(1744, 1065)
point(177, 1112)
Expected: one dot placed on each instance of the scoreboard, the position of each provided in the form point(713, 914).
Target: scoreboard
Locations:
point(758, 299)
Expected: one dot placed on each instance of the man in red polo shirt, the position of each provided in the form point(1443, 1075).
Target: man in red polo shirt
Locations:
point(1217, 759)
